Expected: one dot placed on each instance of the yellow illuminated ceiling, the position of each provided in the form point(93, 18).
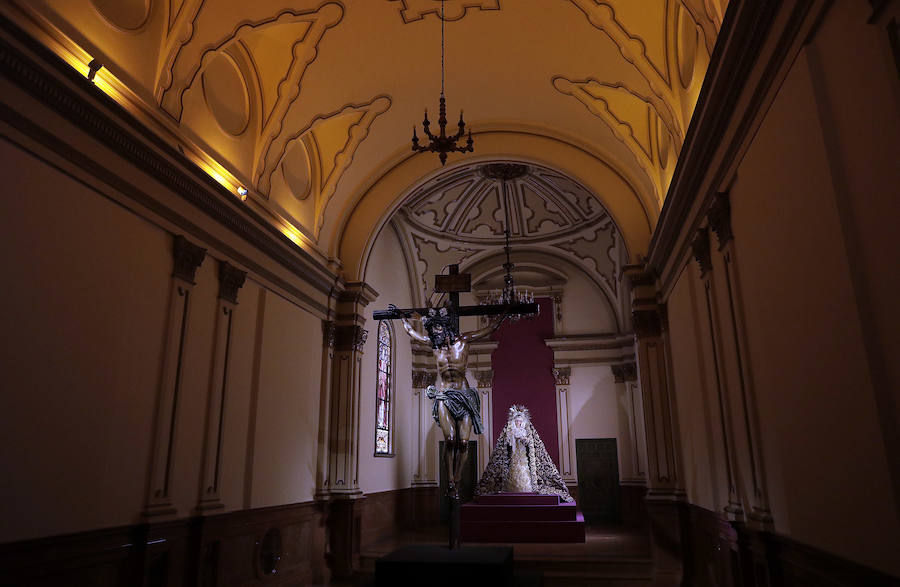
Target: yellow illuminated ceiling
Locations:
point(311, 104)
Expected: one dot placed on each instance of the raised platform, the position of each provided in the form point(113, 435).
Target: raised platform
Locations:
point(520, 517)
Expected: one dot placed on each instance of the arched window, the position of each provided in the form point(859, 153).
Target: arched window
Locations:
point(384, 391)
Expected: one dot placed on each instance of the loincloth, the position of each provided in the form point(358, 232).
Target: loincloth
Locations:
point(458, 402)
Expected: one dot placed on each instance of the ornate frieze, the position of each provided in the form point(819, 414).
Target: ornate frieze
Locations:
point(700, 249)
point(188, 257)
point(720, 219)
point(231, 279)
point(624, 372)
point(561, 375)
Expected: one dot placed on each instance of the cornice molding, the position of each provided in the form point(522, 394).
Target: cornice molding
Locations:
point(745, 32)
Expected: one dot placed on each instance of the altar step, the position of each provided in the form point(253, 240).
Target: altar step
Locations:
point(520, 517)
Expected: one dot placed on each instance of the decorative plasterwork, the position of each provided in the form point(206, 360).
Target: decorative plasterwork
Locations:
point(231, 279)
point(470, 206)
point(651, 121)
point(599, 249)
point(561, 375)
point(413, 10)
point(188, 257)
point(312, 161)
point(701, 250)
point(432, 255)
point(434, 229)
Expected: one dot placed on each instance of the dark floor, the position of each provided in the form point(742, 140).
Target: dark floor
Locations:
point(610, 556)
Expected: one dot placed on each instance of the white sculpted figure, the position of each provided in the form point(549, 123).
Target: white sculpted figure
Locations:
point(520, 463)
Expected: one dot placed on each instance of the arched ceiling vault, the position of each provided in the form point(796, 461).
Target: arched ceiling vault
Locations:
point(460, 216)
point(309, 103)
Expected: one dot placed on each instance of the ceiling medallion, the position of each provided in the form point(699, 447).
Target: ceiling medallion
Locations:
point(504, 171)
point(441, 143)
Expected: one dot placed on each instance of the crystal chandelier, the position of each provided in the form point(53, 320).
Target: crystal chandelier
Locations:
point(510, 294)
point(441, 143)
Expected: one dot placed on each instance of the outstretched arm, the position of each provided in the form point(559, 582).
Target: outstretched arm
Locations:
point(492, 325)
point(412, 332)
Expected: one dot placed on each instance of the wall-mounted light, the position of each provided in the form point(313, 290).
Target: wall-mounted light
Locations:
point(93, 67)
point(242, 192)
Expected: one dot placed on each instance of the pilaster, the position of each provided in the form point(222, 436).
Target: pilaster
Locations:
point(634, 465)
point(650, 321)
point(187, 257)
point(665, 497)
point(231, 279)
point(719, 216)
point(702, 254)
point(424, 474)
point(344, 341)
point(484, 379)
point(561, 376)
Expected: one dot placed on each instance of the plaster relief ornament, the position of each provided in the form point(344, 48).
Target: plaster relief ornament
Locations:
point(520, 463)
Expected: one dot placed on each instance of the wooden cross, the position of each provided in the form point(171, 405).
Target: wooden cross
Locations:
point(452, 284)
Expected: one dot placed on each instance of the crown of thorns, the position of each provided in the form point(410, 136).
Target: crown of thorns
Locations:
point(517, 410)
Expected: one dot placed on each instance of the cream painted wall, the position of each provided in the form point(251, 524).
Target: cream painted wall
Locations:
point(697, 406)
point(287, 405)
point(597, 410)
point(816, 400)
point(84, 294)
point(387, 275)
point(238, 393)
point(822, 443)
point(585, 308)
point(85, 308)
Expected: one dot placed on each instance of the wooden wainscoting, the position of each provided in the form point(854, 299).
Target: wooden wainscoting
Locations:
point(726, 554)
point(236, 548)
point(388, 513)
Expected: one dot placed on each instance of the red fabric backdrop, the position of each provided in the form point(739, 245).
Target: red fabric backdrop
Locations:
point(523, 374)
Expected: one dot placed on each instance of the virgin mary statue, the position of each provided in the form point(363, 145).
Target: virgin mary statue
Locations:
point(519, 462)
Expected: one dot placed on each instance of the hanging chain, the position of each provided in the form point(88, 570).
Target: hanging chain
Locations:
point(442, 47)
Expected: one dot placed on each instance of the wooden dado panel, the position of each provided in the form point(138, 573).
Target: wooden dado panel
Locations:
point(222, 550)
point(728, 554)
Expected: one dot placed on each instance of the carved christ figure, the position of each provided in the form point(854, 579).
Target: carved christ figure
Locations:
point(457, 407)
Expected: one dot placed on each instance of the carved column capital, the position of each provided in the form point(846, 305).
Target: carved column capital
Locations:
point(649, 322)
point(328, 333)
point(720, 219)
point(231, 279)
point(624, 372)
point(350, 337)
point(700, 249)
point(561, 375)
point(188, 257)
point(485, 378)
point(422, 379)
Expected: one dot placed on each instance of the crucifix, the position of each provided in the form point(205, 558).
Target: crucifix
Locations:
point(457, 407)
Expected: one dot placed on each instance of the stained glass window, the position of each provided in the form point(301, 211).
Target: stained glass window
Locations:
point(383, 391)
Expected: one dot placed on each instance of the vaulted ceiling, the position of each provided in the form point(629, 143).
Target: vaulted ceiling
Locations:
point(310, 104)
